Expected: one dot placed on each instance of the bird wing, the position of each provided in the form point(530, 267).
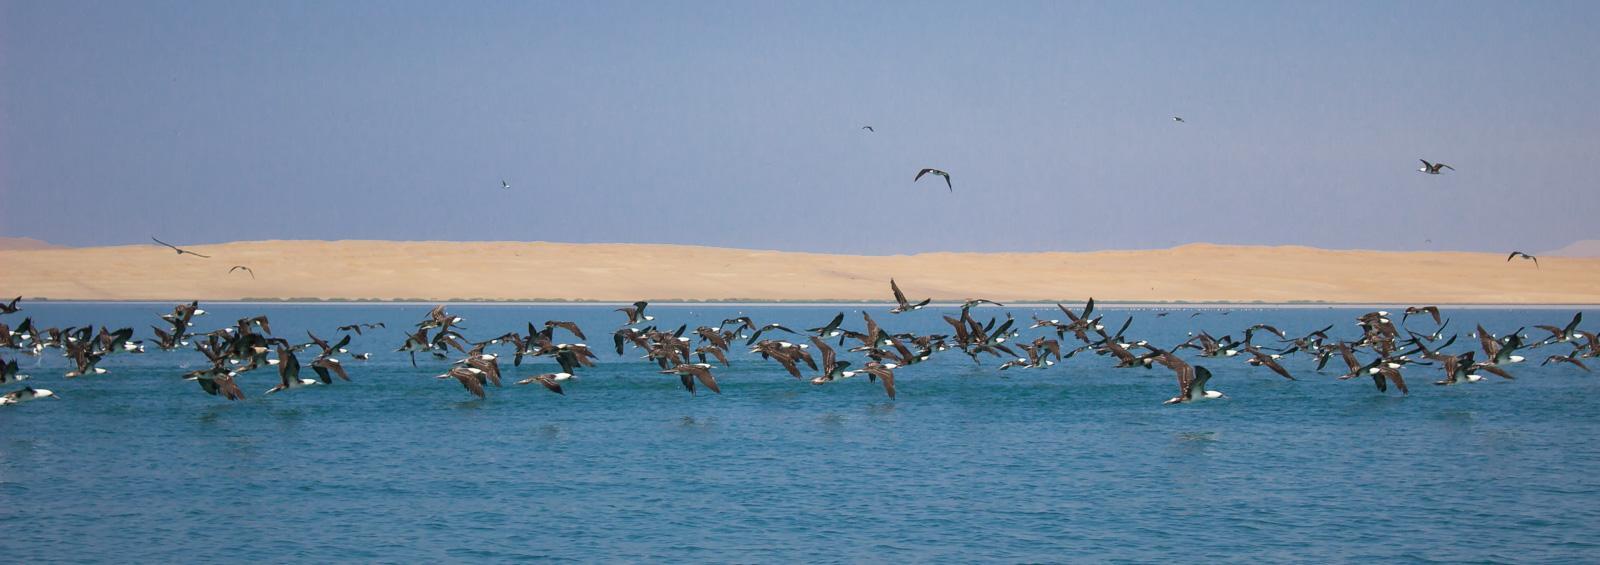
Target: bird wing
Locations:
point(1394, 377)
point(470, 381)
point(1273, 364)
point(898, 296)
point(886, 375)
point(704, 376)
point(572, 327)
point(717, 352)
point(1494, 370)
point(919, 174)
point(329, 363)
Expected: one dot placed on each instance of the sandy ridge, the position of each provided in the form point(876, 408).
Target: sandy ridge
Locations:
point(389, 270)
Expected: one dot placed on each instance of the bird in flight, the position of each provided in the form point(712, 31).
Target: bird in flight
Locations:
point(243, 268)
point(937, 172)
point(1433, 168)
point(180, 251)
point(1525, 257)
point(903, 304)
point(505, 185)
point(868, 128)
point(1178, 119)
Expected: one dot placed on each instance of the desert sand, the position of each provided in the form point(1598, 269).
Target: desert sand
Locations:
point(439, 271)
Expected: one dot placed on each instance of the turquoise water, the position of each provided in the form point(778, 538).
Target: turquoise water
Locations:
point(1078, 461)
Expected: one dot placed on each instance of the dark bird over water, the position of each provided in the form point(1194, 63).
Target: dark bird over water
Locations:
point(12, 307)
point(179, 250)
point(937, 172)
point(903, 304)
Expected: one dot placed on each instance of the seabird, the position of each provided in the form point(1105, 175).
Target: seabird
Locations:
point(471, 379)
point(904, 305)
point(877, 371)
point(1430, 310)
point(551, 381)
point(1178, 119)
point(1563, 335)
point(179, 250)
point(1525, 257)
point(772, 326)
point(504, 185)
point(635, 313)
point(1459, 369)
point(1260, 358)
point(830, 330)
point(937, 172)
point(1192, 385)
point(832, 368)
point(688, 373)
point(25, 394)
point(1433, 168)
point(9, 372)
point(1547, 361)
point(569, 326)
point(245, 269)
point(289, 372)
point(868, 128)
point(358, 327)
point(10, 308)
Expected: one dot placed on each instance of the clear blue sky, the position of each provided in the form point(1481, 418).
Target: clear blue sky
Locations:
point(736, 123)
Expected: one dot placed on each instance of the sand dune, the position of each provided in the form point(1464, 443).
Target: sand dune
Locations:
point(390, 270)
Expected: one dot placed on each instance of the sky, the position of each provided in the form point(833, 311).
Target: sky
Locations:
point(738, 123)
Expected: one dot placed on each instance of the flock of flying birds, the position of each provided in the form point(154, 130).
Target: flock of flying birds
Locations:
point(1382, 352)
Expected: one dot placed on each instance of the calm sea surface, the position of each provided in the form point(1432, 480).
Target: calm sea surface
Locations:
point(1076, 462)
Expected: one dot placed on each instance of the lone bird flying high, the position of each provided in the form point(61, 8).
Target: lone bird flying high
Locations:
point(1433, 168)
point(937, 172)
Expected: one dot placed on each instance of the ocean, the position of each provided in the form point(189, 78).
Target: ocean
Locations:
point(1077, 462)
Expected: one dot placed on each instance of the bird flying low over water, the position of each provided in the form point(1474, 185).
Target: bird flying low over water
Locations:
point(25, 394)
point(1433, 168)
point(245, 269)
point(688, 373)
point(936, 172)
point(550, 381)
point(1430, 310)
point(1524, 256)
point(635, 313)
point(1564, 359)
point(10, 308)
point(179, 250)
point(358, 327)
point(1192, 385)
point(900, 298)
